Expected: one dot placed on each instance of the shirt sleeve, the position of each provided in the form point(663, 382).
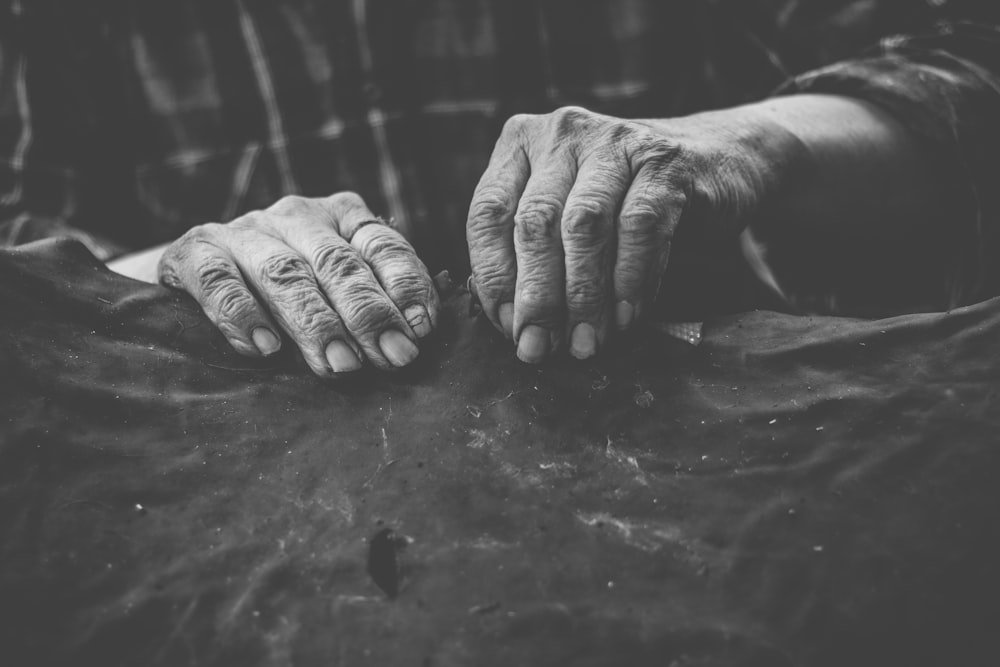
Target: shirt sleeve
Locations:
point(38, 185)
point(945, 87)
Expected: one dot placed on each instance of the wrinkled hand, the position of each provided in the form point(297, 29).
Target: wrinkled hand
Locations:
point(339, 284)
point(571, 225)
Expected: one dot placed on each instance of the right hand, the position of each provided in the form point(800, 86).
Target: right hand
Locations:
point(340, 284)
point(570, 228)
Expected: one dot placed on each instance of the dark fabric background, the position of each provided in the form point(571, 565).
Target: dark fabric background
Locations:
point(114, 129)
point(795, 491)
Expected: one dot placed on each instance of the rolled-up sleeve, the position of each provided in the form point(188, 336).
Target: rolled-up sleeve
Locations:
point(945, 87)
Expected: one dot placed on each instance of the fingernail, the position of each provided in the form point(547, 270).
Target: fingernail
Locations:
point(397, 348)
point(265, 341)
point(342, 359)
point(419, 320)
point(533, 344)
point(624, 314)
point(506, 315)
point(583, 341)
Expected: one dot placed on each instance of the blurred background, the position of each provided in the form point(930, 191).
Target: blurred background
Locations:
point(149, 117)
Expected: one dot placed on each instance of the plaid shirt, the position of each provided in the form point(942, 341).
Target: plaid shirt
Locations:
point(126, 123)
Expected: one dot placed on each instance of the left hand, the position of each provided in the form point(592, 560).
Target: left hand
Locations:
point(340, 286)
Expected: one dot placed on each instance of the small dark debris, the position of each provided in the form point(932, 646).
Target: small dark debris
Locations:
point(383, 560)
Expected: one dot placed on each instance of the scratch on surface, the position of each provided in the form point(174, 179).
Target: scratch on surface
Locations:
point(259, 574)
point(176, 631)
point(356, 599)
point(379, 469)
point(489, 544)
point(558, 467)
point(479, 439)
point(184, 327)
point(501, 400)
point(521, 476)
point(625, 460)
point(645, 536)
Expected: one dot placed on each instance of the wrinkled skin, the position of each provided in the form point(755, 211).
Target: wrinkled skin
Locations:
point(569, 234)
point(570, 227)
point(325, 272)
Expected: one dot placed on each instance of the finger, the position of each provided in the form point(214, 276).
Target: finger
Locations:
point(403, 277)
point(588, 238)
point(351, 288)
point(490, 226)
point(203, 268)
point(539, 299)
point(285, 282)
point(646, 224)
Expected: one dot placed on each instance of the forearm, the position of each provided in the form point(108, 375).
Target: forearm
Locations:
point(842, 207)
point(856, 172)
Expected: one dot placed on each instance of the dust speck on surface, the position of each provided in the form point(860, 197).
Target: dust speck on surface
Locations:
point(643, 398)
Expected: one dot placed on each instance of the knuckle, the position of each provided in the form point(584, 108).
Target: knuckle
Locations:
point(659, 153)
point(586, 218)
point(316, 324)
point(490, 209)
point(292, 205)
point(255, 220)
point(206, 233)
point(585, 295)
point(517, 124)
point(640, 218)
point(347, 199)
point(366, 313)
point(224, 294)
point(233, 304)
point(622, 133)
point(494, 278)
point(641, 239)
point(216, 275)
point(383, 243)
point(649, 217)
point(570, 119)
point(411, 283)
point(283, 270)
point(338, 262)
point(537, 218)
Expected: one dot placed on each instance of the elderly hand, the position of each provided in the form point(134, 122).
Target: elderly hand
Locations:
point(340, 285)
point(571, 225)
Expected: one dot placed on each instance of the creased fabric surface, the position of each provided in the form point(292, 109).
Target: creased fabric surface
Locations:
point(794, 491)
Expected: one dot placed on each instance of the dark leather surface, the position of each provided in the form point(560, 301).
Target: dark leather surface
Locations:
point(795, 491)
